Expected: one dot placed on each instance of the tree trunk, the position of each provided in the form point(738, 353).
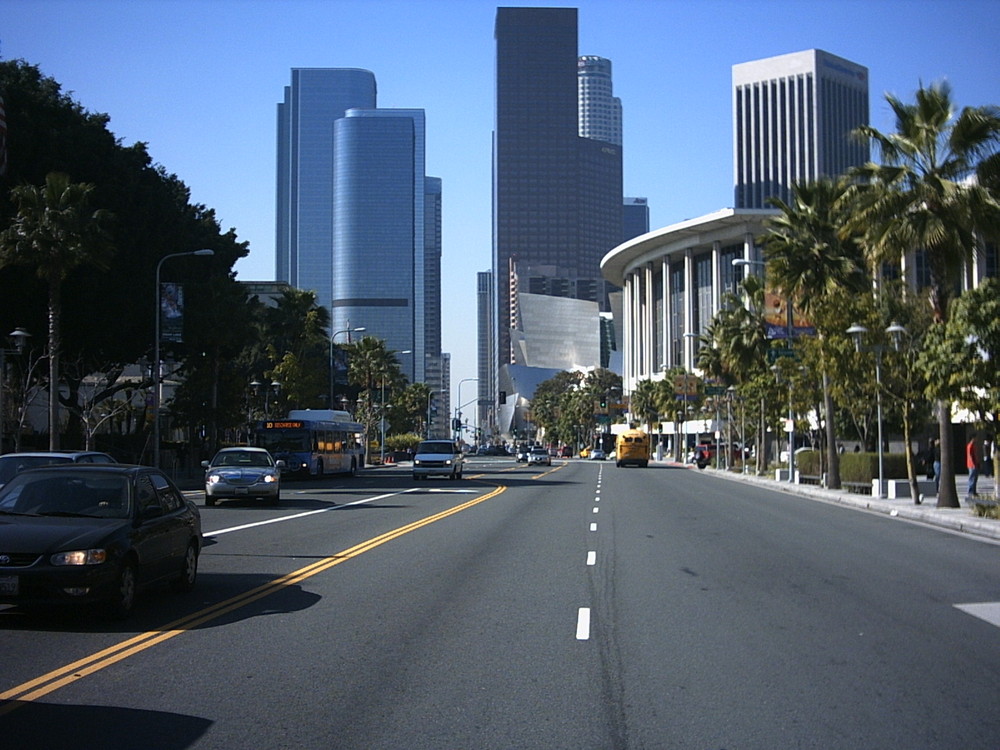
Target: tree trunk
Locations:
point(947, 494)
point(833, 457)
point(54, 303)
point(911, 472)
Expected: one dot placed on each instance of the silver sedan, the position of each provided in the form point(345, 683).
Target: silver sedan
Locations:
point(242, 472)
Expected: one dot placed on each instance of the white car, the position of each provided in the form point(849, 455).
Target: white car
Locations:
point(539, 455)
point(597, 455)
point(438, 458)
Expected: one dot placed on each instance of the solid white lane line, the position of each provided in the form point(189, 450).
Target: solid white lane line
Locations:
point(988, 611)
point(583, 624)
point(307, 513)
point(592, 557)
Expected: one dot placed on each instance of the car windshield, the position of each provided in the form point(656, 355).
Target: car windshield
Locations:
point(14, 464)
point(241, 458)
point(67, 493)
point(436, 446)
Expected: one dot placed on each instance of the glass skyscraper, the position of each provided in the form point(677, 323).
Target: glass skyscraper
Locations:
point(557, 196)
point(316, 98)
point(359, 222)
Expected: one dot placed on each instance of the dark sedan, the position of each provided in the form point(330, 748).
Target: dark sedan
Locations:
point(95, 533)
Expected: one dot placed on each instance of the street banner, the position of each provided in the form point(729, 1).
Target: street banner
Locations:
point(776, 319)
point(171, 312)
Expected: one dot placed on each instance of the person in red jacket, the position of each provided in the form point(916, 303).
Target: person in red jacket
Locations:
point(973, 462)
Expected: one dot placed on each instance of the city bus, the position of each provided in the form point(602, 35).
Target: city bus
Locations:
point(632, 447)
point(314, 442)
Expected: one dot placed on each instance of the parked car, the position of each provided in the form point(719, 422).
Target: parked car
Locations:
point(76, 533)
point(242, 472)
point(597, 454)
point(438, 458)
point(539, 455)
point(704, 454)
point(12, 463)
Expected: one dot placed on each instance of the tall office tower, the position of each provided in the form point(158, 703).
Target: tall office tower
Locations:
point(316, 98)
point(486, 350)
point(557, 196)
point(600, 112)
point(792, 119)
point(359, 222)
point(635, 217)
point(378, 230)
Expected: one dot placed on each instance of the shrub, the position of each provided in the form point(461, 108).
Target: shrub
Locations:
point(863, 467)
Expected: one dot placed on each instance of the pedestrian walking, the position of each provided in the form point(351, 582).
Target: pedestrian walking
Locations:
point(936, 464)
point(974, 463)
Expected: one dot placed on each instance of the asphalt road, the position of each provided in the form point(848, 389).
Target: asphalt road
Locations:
point(582, 606)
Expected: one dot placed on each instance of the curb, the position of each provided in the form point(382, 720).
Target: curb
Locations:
point(953, 519)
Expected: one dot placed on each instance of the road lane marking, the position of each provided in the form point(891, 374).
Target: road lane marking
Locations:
point(593, 527)
point(308, 513)
point(988, 611)
point(592, 557)
point(596, 509)
point(583, 624)
point(77, 670)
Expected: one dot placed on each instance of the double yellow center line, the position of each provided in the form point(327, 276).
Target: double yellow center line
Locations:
point(58, 678)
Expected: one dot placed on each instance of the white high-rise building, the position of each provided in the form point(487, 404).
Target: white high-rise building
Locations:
point(792, 121)
point(599, 111)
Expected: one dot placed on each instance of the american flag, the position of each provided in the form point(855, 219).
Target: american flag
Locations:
point(3, 139)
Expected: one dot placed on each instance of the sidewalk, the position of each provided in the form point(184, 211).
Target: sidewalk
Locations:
point(955, 519)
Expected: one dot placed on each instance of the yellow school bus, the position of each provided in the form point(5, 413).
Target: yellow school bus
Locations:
point(632, 447)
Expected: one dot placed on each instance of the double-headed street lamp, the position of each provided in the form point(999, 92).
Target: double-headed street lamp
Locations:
point(857, 333)
point(156, 351)
point(268, 388)
point(18, 337)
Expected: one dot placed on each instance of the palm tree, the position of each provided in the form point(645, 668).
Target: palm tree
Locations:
point(921, 197)
point(55, 231)
point(809, 260)
point(372, 366)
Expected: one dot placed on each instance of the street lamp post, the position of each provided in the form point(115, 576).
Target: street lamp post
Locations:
point(333, 337)
point(458, 408)
point(274, 386)
point(18, 337)
point(156, 351)
point(857, 333)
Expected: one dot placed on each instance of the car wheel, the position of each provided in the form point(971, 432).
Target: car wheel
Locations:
point(121, 604)
point(189, 570)
point(275, 498)
point(209, 500)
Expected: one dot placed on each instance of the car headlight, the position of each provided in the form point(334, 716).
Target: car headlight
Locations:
point(80, 557)
point(448, 462)
point(270, 478)
point(213, 479)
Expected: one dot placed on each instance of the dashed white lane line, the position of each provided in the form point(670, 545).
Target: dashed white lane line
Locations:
point(592, 557)
point(583, 624)
point(593, 527)
point(988, 611)
point(596, 509)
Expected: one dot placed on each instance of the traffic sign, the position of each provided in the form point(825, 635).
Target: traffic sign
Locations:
point(773, 355)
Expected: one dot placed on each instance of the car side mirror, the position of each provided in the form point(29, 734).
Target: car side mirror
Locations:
point(152, 511)
point(206, 464)
point(280, 463)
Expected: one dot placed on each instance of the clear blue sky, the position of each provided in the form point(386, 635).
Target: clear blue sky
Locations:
point(199, 80)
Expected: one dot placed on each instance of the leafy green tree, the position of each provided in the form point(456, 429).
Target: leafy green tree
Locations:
point(153, 216)
point(54, 231)
point(920, 198)
point(376, 372)
point(963, 355)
